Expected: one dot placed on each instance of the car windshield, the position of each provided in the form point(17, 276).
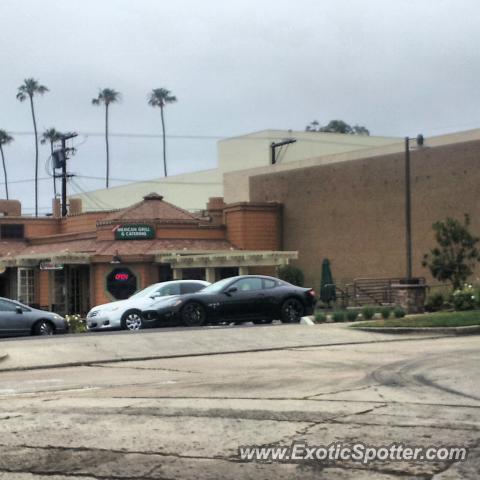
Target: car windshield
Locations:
point(146, 291)
point(218, 286)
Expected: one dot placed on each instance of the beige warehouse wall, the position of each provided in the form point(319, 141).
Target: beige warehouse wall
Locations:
point(190, 191)
point(237, 183)
point(353, 212)
point(253, 150)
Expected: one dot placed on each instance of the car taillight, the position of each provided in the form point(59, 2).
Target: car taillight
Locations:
point(312, 292)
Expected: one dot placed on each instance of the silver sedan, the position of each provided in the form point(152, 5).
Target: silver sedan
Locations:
point(19, 319)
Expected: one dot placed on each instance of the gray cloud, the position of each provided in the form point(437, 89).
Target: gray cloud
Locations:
point(397, 67)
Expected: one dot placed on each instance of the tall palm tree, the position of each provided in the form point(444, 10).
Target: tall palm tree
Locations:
point(5, 139)
point(106, 97)
point(160, 97)
point(51, 136)
point(29, 89)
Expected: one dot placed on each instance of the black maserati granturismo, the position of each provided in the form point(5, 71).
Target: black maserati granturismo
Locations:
point(238, 299)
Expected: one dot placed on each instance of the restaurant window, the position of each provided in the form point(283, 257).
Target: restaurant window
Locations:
point(121, 283)
point(11, 231)
point(26, 285)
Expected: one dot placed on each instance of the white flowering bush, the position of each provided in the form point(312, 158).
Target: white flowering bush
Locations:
point(466, 298)
point(76, 324)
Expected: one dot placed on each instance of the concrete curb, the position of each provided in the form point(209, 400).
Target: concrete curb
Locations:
point(469, 330)
point(87, 363)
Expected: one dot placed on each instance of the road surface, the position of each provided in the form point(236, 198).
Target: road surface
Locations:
point(187, 417)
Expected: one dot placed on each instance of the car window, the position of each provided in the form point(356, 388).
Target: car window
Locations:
point(170, 289)
point(190, 287)
point(248, 284)
point(267, 283)
point(6, 306)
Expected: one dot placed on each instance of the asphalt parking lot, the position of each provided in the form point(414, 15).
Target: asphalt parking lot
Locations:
point(186, 417)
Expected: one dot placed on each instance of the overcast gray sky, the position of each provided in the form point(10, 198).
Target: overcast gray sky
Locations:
point(399, 67)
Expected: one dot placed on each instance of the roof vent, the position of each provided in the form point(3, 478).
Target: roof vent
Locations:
point(153, 196)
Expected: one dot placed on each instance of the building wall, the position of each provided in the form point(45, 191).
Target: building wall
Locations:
point(254, 227)
point(253, 150)
point(85, 222)
point(353, 212)
point(146, 275)
point(43, 287)
point(190, 191)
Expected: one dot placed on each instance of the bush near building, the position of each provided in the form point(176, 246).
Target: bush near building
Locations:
point(76, 324)
point(291, 274)
point(466, 298)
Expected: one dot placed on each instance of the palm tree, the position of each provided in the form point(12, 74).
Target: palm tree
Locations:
point(160, 97)
point(5, 139)
point(29, 89)
point(106, 97)
point(51, 136)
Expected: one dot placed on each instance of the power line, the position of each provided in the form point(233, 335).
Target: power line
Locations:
point(138, 180)
point(137, 135)
point(220, 137)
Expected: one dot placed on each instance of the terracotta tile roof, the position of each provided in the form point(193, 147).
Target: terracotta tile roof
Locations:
point(78, 246)
point(11, 248)
point(112, 247)
point(152, 207)
point(149, 247)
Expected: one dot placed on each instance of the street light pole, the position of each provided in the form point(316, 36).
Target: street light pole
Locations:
point(408, 203)
point(408, 210)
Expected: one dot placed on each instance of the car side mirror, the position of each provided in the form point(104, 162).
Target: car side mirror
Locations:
point(155, 296)
point(19, 309)
point(231, 290)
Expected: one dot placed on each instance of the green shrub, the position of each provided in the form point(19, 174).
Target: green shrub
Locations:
point(320, 317)
point(291, 274)
point(338, 316)
point(352, 315)
point(435, 302)
point(385, 312)
point(368, 313)
point(399, 312)
point(467, 298)
point(76, 324)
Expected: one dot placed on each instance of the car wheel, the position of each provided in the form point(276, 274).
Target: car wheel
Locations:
point(44, 328)
point(193, 315)
point(132, 321)
point(291, 311)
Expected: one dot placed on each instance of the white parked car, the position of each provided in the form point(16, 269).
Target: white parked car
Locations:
point(125, 314)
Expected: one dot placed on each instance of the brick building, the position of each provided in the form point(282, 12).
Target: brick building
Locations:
point(70, 264)
point(350, 207)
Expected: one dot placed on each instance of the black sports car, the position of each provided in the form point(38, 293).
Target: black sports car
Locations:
point(243, 298)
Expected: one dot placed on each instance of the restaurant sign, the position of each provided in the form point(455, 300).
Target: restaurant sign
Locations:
point(134, 232)
point(51, 266)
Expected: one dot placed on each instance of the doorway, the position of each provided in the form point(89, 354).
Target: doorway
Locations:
point(71, 292)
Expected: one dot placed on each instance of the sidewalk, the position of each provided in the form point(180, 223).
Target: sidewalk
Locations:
point(85, 349)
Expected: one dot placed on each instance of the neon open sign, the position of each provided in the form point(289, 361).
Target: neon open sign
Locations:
point(122, 277)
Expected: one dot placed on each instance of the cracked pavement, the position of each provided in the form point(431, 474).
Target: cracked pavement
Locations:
point(186, 417)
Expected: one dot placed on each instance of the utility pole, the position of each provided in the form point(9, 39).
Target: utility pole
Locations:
point(60, 158)
point(408, 204)
point(408, 210)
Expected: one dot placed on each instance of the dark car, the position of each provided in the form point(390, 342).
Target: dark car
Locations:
point(18, 319)
point(243, 298)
